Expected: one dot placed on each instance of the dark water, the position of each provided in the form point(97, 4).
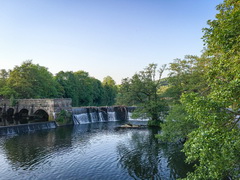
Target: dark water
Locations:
point(90, 151)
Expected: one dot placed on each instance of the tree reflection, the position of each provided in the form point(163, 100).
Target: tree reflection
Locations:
point(26, 150)
point(146, 158)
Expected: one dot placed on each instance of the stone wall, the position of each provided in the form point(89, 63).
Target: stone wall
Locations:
point(51, 106)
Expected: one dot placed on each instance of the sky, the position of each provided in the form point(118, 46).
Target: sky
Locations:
point(114, 38)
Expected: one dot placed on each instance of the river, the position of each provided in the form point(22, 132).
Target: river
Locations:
point(89, 152)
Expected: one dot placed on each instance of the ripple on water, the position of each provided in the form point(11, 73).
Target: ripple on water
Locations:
point(86, 152)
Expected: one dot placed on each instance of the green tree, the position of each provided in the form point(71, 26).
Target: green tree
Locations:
point(215, 144)
point(177, 125)
point(109, 91)
point(142, 91)
point(33, 81)
point(5, 91)
point(186, 75)
point(68, 83)
point(83, 89)
point(96, 92)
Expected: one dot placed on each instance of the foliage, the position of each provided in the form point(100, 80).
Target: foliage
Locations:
point(68, 83)
point(110, 91)
point(13, 101)
point(5, 91)
point(215, 144)
point(207, 90)
point(142, 91)
point(63, 117)
point(32, 81)
point(186, 75)
point(177, 125)
point(85, 90)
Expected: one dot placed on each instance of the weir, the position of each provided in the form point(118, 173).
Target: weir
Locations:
point(85, 115)
point(25, 128)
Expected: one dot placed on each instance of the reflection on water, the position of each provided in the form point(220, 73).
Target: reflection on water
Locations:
point(90, 151)
point(145, 158)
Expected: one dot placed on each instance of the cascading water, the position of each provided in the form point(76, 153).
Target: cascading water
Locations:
point(26, 128)
point(130, 116)
point(143, 118)
point(94, 117)
point(81, 118)
point(111, 116)
point(84, 115)
point(101, 118)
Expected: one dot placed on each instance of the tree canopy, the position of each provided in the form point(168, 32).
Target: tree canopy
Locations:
point(142, 90)
point(34, 81)
point(205, 102)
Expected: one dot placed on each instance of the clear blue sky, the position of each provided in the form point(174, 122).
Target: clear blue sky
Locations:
point(102, 37)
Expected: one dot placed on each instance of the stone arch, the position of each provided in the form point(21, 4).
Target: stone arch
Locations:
point(23, 112)
point(22, 116)
point(10, 113)
point(41, 115)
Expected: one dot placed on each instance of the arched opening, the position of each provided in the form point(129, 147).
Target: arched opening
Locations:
point(40, 116)
point(22, 116)
point(10, 113)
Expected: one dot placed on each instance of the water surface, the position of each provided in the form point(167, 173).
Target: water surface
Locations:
point(90, 151)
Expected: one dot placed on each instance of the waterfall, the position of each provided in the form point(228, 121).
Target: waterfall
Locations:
point(101, 118)
point(84, 115)
point(94, 117)
point(143, 118)
point(111, 116)
point(26, 128)
point(81, 118)
point(130, 116)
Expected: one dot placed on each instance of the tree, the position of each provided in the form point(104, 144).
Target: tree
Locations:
point(33, 81)
point(109, 91)
point(215, 144)
point(68, 83)
point(5, 91)
point(84, 90)
point(108, 80)
point(142, 90)
point(177, 125)
point(186, 75)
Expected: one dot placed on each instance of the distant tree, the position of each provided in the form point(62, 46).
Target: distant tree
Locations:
point(142, 90)
point(5, 91)
point(83, 89)
point(177, 125)
point(32, 81)
point(186, 75)
point(108, 80)
point(84, 86)
point(109, 91)
point(68, 83)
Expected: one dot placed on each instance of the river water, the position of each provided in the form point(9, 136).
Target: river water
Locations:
point(90, 151)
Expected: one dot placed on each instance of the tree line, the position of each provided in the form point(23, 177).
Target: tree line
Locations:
point(34, 81)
